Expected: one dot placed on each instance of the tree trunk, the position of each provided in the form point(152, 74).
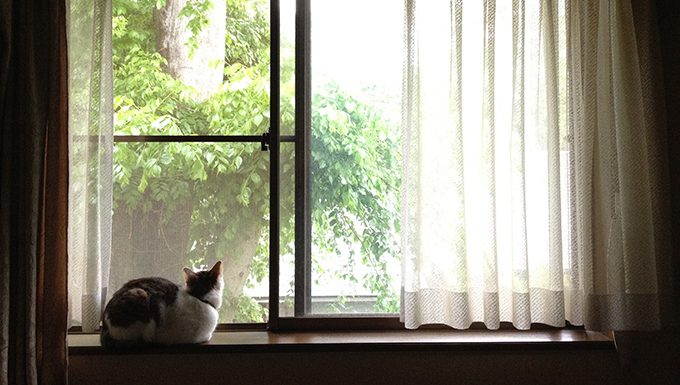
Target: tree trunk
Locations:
point(237, 262)
point(204, 70)
point(157, 244)
point(149, 245)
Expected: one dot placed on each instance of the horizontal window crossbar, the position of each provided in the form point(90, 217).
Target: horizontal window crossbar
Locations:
point(195, 138)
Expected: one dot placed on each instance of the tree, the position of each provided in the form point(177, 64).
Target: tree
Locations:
point(190, 36)
point(192, 203)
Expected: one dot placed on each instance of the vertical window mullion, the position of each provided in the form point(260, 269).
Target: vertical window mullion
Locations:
point(303, 216)
point(274, 156)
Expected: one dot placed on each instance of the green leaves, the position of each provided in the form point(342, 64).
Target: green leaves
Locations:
point(247, 35)
point(257, 119)
point(356, 184)
point(355, 152)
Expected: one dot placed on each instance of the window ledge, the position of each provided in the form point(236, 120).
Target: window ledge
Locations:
point(389, 340)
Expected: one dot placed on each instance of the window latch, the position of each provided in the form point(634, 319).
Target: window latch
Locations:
point(265, 141)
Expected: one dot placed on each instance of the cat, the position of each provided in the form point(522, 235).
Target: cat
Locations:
point(156, 311)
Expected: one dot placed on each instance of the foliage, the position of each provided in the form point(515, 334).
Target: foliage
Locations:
point(247, 37)
point(354, 173)
point(355, 178)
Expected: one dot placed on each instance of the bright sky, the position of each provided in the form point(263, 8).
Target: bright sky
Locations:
point(354, 42)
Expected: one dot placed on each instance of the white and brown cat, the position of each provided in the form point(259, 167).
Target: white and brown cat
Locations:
point(155, 311)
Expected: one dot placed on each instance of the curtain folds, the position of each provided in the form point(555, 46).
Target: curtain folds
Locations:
point(33, 193)
point(531, 166)
point(614, 150)
point(91, 158)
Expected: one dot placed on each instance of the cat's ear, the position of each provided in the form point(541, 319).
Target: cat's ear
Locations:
point(216, 269)
point(188, 274)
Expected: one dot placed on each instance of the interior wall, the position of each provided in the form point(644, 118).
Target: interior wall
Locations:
point(414, 367)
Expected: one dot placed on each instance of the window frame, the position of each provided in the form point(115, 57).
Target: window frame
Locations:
point(302, 319)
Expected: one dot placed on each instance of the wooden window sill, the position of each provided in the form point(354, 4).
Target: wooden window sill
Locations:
point(388, 340)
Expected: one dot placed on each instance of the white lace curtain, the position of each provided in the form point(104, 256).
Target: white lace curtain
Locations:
point(530, 166)
point(90, 158)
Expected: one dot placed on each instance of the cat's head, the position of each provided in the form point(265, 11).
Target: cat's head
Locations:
point(206, 285)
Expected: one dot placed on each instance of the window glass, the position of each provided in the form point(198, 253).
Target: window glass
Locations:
point(287, 160)
point(355, 167)
point(287, 234)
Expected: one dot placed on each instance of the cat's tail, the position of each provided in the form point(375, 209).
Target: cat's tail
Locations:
point(109, 343)
point(105, 338)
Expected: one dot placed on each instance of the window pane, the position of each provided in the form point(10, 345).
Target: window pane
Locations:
point(259, 291)
point(287, 67)
point(287, 159)
point(356, 80)
point(191, 69)
point(287, 257)
point(190, 204)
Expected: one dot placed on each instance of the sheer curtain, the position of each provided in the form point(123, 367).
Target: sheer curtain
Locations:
point(527, 194)
point(90, 156)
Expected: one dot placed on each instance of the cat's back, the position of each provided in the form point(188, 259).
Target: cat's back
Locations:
point(137, 308)
point(140, 300)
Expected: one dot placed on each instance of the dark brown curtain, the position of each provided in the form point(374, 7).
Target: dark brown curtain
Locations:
point(33, 192)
